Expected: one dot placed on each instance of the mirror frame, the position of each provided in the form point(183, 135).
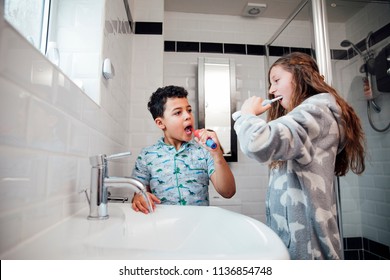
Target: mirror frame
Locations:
point(232, 156)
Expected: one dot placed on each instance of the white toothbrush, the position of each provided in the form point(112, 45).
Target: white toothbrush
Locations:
point(265, 102)
point(269, 101)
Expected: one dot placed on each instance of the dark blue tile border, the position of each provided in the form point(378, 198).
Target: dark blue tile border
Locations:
point(339, 54)
point(156, 28)
point(250, 49)
point(379, 249)
point(377, 36)
point(352, 254)
point(209, 47)
point(279, 50)
point(170, 46)
point(148, 28)
point(229, 48)
point(255, 49)
point(234, 48)
point(187, 46)
point(361, 248)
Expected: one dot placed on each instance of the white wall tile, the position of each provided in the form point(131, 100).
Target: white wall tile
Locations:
point(41, 215)
point(22, 177)
point(148, 10)
point(47, 145)
point(61, 175)
point(49, 127)
point(13, 113)
point(78, 138)
point(10, 231)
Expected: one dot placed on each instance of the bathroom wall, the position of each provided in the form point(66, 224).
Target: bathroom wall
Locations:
point(180, 67)
point(366, 198)
point(49, 128)
point(76, 28)
point(146, 74)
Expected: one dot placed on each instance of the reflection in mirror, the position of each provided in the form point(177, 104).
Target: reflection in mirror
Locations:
point(216, 88)
point(68, 33)
point(29, 17)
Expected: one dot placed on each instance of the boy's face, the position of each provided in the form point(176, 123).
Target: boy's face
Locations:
point(178, 121)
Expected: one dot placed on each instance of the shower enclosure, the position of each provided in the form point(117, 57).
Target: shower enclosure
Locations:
point(348, 38)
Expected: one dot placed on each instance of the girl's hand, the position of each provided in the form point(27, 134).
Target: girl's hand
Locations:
point(139, 204)
point(253, 106)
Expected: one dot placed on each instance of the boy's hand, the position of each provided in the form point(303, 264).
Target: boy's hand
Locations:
point(203, 135)
point(139, 203)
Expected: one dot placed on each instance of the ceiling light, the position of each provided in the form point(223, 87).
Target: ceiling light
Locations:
point(254, 9)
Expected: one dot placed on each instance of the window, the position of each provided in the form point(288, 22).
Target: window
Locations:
point(30, 18)
point(68, 32)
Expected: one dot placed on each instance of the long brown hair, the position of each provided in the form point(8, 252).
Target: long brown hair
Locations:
point(307, 81)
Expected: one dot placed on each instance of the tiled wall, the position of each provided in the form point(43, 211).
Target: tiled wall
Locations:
point(211, 34)
point(365, 198)
point(146, 75)
point(359, 248)
point(77, 30)
point(49, 128)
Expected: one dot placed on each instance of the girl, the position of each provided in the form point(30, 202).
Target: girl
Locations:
point(310, 136)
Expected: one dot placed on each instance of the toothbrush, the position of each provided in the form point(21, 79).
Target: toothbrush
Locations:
point(265, 102)
point(209, 142)
point(269, 101)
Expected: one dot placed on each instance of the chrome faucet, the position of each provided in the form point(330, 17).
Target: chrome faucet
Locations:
point(100, 182)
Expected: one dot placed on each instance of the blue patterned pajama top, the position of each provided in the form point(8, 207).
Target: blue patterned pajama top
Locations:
point(301, 200)
point(176, 177)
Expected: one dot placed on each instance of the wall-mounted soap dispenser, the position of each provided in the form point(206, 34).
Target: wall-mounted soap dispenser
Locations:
point(108, 69)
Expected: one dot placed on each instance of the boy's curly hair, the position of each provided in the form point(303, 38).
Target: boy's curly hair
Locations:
point(157, 101)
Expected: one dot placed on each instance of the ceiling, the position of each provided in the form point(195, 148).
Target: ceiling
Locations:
point(280, 9)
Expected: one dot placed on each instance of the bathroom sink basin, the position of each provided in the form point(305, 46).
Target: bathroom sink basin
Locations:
point(171, 232)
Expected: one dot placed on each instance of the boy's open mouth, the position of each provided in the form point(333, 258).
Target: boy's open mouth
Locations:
point(188, 129)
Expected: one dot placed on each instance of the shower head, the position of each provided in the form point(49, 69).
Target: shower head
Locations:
point(368, 66)
point(347, 43)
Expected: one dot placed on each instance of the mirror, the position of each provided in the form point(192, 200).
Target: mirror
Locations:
point(68, 33)
point(216, 95)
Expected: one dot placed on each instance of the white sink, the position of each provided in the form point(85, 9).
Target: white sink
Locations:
point(171, 232)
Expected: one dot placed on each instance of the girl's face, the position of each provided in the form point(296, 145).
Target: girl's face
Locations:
point(281, 85)
point(178, 121)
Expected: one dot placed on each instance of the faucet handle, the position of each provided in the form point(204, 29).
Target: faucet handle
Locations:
point(120, 155)
point(101, 160)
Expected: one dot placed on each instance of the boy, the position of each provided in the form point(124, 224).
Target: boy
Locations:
point(177, 169)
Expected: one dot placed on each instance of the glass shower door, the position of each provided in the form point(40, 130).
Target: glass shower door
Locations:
point(355, 38)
